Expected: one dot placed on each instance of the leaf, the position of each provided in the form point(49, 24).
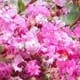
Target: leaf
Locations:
point(1, 49)
point(3, 59)
point(21, 6)
point(74, 13)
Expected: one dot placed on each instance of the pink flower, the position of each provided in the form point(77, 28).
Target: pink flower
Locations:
point(35, 36)
point(2, 1)
point(19, 20)
point(60, 2)
point(48, 26)
point(38, 9)
point(68, 31)
point(16, 78)
point(12, 12)
point(5, 71)
point(32, 68)
point(17, 60)
point(67, 66)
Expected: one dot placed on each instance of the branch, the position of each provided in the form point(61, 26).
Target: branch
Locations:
point(30, 2)
point(75, 21)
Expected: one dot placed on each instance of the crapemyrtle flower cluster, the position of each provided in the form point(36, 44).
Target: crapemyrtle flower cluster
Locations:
point(37, 44)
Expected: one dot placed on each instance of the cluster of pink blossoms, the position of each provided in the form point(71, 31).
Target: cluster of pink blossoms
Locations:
point(36, 48)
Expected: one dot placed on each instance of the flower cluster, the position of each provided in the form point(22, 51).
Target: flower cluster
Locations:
point(37, 44)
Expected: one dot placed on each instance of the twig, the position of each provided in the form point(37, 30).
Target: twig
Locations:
point(32, 1)
point(75, 21)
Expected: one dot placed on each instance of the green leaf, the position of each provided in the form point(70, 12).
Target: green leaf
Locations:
point(21, 6)
point(72, 15)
